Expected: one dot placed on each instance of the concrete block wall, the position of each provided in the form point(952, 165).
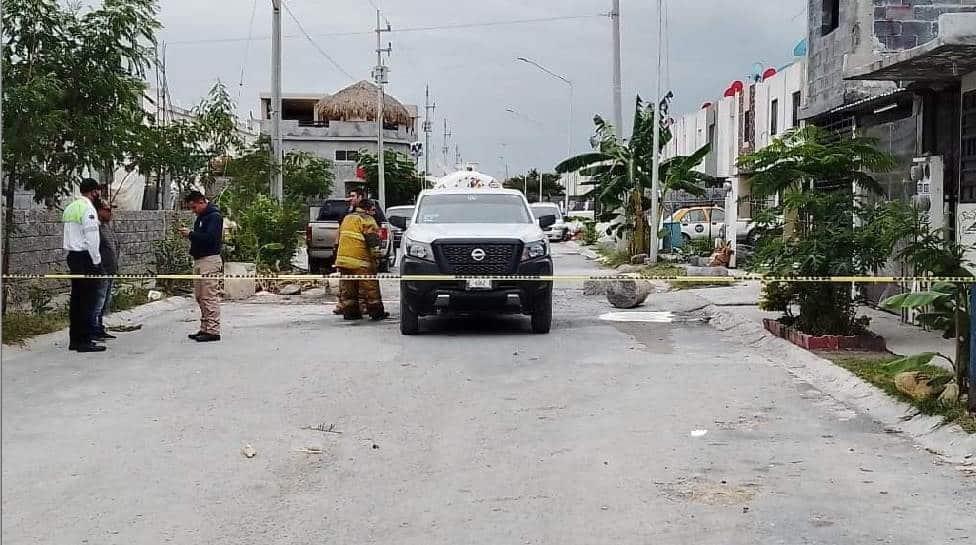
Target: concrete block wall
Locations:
point(904, 24)
point(36, 242)
point(867, 30)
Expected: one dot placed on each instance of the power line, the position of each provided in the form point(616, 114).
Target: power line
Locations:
point(247, 49)
point(315, 45)
point(400, 30)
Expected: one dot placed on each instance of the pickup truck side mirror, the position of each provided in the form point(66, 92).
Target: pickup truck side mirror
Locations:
point(547, 221)
point(399, 222)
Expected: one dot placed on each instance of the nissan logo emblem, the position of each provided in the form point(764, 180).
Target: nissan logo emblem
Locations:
point(478, 254)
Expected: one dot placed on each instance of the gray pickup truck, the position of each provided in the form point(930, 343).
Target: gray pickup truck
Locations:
point(322, 236)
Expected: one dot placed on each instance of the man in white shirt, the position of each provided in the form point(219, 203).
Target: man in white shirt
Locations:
point(81, 242)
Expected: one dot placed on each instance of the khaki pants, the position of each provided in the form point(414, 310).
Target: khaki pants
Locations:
point(207, 293)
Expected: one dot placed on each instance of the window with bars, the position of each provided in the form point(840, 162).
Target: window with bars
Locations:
point(831, 16)
point(967, 149)
point(348, 156)
point(774, 117)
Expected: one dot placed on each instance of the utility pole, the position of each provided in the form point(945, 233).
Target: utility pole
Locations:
point(428, 128)
point(445, 147)
point(381, 77)
point(655, 153)
point(618, 114)
point(277, 189)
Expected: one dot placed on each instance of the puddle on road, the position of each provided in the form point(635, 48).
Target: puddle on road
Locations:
point(653, 317)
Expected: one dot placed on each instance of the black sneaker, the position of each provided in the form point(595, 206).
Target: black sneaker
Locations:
point(206, 338)
point(352, 317)
point(85, 348)
point(380, 316)
point(195, 335)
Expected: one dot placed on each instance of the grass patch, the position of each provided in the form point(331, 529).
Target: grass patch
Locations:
point(872, 368)
point(613, 258)
point(18, 327)
point(128, 296)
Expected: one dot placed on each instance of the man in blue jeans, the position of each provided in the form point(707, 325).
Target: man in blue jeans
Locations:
point(108, 248)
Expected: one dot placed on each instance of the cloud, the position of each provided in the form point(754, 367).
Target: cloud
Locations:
point(472, 72)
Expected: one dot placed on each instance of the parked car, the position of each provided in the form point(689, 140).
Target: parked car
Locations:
point(322, 235)
point(708, 222)
point(405, 212)
point(558, 231)
point(696, 222)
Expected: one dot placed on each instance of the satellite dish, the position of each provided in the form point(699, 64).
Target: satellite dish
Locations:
point(801, 48)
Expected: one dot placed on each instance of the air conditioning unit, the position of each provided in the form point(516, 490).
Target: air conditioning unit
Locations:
point(928, 173)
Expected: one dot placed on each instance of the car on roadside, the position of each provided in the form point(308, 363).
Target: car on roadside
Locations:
point(322, 236)
point(698, 222)
point(405, 211)
point(558, 231)
point(477, 232)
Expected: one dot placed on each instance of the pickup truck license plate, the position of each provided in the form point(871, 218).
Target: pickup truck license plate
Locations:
point(479, 284)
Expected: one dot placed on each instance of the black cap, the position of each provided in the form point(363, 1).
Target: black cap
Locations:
point(88, 185)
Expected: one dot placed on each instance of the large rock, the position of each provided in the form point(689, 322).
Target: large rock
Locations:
point(706, 271)
point(290, 289)
point(915, 384)
point(315, 292)
point(628, 293)
point(627, 268)
point(594, 287)
point(950, 394)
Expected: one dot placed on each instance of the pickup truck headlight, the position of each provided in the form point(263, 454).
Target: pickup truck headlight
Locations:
point(535, 250)
point(419, 250)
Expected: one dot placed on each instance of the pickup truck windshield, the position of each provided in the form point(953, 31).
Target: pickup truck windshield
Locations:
point(546, 210)
point(473, 208)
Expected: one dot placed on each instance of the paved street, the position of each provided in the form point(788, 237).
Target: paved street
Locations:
point(478, 433)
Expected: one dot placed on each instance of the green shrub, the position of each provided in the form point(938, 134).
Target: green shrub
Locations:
point(267, 233)
point(590, 235)
point(173, 257)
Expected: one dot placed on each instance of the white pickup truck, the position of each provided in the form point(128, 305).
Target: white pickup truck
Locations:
point(322, 235)
point(481, 231)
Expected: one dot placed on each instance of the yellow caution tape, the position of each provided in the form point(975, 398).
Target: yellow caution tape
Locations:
point(506, 278)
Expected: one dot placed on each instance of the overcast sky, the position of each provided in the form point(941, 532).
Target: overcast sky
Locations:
point(472, 72)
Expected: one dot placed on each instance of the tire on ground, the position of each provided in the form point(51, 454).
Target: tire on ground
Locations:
point(409, 320)
point(542, 313)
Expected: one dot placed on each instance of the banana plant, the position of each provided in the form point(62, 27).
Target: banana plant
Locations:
point(946, 308)
point(621, 174)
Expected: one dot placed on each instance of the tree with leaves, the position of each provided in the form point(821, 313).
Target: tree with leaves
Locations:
point(73, 89)
point(72, 92)
point(190, 152)
point(530, 182)
point(621, 174)
point(266, 229)
point(403, 183)
point(812, 231)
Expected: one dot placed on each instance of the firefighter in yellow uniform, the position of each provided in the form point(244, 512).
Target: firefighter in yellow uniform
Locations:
point(358, 253)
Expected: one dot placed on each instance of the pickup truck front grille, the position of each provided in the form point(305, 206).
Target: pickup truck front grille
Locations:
point(500, 258)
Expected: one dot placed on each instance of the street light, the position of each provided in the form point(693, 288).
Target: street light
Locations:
point(524, 117)
point(569, 134)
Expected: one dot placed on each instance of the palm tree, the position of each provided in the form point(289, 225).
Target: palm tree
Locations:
point(621, 171)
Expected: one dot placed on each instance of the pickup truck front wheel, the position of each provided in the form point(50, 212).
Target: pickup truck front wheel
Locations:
point(542, 313)
point(409, 320)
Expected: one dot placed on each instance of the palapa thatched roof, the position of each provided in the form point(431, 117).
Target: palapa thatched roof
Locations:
point(358, 102)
